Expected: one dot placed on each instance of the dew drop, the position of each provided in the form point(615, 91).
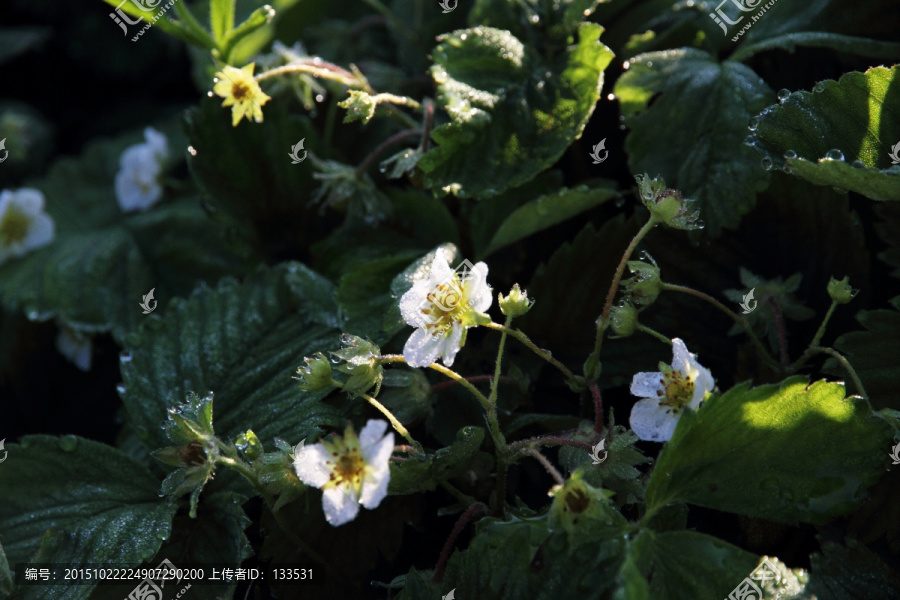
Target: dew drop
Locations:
point(790, 154)
point(125, 357)
point(820, 87)
point(858, 164)
point(463, 36)
point(121, 388)
point(215, 80)
point(68, 443)
point(210, 94)
point(535, 19)
point(783, 94)
point(586, 12)
point(33, 315)
point(192, 151)
point(319, 97)
point(619, 202)
point(767, 163)
point(834, 154)
point(626, 65)
point(610, 97)
point(787, 169)
point(754, 124)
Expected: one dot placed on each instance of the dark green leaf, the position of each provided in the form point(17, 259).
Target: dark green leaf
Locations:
point(241, 341)
point(785, 452)
point(688, 115)
point(420, 472)
point(874, 355)
point(851, 571)
point(6, 581)
point(94, 504)
point(546, 211)
point(512, 113)
point(841, 134)
point(221, 18)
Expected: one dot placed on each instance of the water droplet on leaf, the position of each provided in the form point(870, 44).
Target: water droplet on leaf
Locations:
point(790, 154)
point(834, 154)
point(783, 94)
point(767, 163)
point(68, 443)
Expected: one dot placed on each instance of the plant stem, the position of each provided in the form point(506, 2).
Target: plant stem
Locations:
point(464, 498)
point(394, 139)
point(821, 331)
point(461, 380)
point(598, 407)
point(654, 333)
point(671, 287)
point(782, 334)
point(519, 445)
point(396, 424)
point(547, 465)
point(321, 69)
point(427, 122)
point(593, 362)
point(471, 512)
point(470, 379)
point(545, 354)
point(844, 363)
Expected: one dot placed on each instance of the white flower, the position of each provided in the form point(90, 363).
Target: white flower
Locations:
point(24, 225)
point(442, 307)
point(349, 470)
point(140, 167)
point(666, 393)
point(75, 346)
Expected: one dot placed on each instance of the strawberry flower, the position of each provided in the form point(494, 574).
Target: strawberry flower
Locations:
point(665, 394)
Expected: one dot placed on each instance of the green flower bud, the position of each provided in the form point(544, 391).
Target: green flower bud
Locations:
point(516, 304)
point(361, 364)
point(249, 444)
point(623, 319)
point(316, 375)
point(645, 286)
point(667, 205)
point(840, 291)
point(575, 502)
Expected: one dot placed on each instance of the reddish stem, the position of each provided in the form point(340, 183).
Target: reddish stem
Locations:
point(598, 407)
point(548, 440)
point(471, 512)
point(782, 336)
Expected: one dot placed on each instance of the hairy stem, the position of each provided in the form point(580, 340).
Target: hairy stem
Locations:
point(654, 333)
point(593, 361)
point(545, 354)
point(473, 511)
point(394, 139)
point(844, 363)
point(394, 422)
point(547, 465)
point(821, 331)
point(471, 379)
point(598, 407)
point(782, 334)
point(671, 287)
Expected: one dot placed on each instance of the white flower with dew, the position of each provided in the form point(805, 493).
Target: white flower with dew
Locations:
point(75, 346)
point(665, 394)
point(24, 226)
point(350, 471)
point(138, 184)
point(442, 307)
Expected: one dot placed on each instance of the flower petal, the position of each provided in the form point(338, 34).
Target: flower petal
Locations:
point(378, 472)
point(652, 422)
point(681, 358)
point(479, 292)
point(311, 467)
point(451, 344)
point(422, 348)
point(371, 434)
point(645, 385)
point(40, 232)
point(156, 143)
point(340, 505)
point(29, 200)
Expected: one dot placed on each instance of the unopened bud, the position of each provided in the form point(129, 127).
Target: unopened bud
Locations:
point(516, 304)
point(316, 375)
point(840, 290)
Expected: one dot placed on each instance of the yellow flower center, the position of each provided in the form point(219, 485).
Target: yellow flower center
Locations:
point(14, 226)
point(678, 389)
point(240, 91)
point(446, 305)
point(347, 470)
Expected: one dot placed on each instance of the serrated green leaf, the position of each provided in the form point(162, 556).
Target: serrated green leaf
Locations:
point(110, 511)
point(546, 211)
point(221, 18)
point(512, 112)
point(841, 134)
point(241, 341)
point(103, 261)
point(419, 473)
point(874, 355)
point(818, 39)
point(686, 565)
point(693, 131)
point(786, 452)
point(557, 20)
point(850, 571)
